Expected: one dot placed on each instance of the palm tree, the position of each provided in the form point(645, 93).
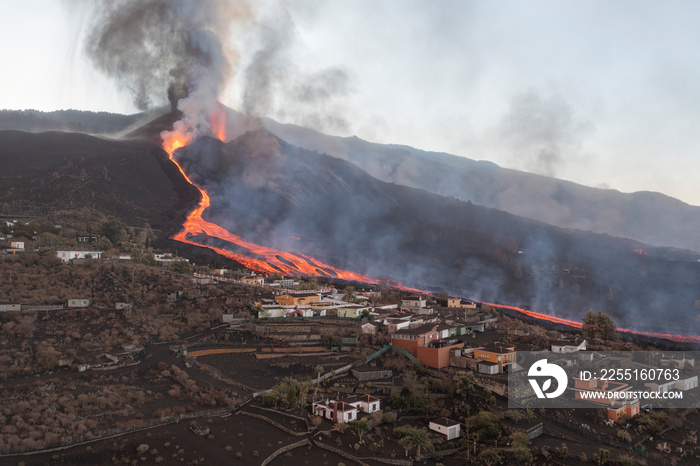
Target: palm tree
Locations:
point(417, 438)
point(362, 427)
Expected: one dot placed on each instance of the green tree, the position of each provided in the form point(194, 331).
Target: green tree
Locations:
point(149, 259)
point(519, 439)
point(418, 439)
point(181, 266)
point(602, 456)
point(113, 229)
point(349, 294)
point(599, 325)
point(485, 424)
point(626, 460)
point(465, 385)
point(362, 427)
point(490, 457)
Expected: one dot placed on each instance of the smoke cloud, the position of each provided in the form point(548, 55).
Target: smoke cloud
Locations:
point(540, 131)
point(174, 49)
point(275, 87)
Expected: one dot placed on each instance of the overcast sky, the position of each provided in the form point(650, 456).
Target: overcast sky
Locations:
point(604, 93)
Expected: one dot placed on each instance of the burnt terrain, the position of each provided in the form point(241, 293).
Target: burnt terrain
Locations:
point(279, 195)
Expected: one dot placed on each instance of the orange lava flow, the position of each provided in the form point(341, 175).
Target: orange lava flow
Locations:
point(269, 260)
point(253, 256)
point(573, 323)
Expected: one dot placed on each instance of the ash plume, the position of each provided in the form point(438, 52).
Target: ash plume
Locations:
point(167, 49)
point(540, 131)
point(273, 86)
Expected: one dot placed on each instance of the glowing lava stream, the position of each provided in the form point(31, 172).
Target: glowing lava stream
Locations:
point(286, 263)
point(573, 323)
point(271, 260)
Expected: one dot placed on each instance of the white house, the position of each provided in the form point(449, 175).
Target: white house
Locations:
point(661, 387)
point(568, 346)
point(687, 384)
point(335, 411)
point(67, 256)
point(368, 328)
point(365, 403)
point(18, 245)
point(446, 427)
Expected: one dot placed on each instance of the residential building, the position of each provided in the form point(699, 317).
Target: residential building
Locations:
point(616, 408)
point(447, 427)
point(365, 403)
point(460, 303)
point(335, 411)
point(67, 256)
point(413, 302)
point(347, 409)
point(285, 282)
point(437, 352)
point(353, 312)
point(253, 280)
point(297, 299)
point(687, 384)
point(497, 353)
point(17, 245)
point(411, 338)
point(568, 346)
point(368, 328)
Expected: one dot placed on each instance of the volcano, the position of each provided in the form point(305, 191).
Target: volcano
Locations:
point(304, 202)
point(336, 217)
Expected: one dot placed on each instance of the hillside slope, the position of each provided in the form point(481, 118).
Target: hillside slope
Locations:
point(53, 171)
point(279, 195)
point(648, 217)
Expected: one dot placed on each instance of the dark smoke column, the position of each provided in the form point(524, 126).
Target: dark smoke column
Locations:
point(174, 49)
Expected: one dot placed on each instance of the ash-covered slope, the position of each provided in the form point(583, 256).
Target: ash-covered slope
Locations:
point(279, 195)
point(648, 217)
point(46, 172)
point(70, 120)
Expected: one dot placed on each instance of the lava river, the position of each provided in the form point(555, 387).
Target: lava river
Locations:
point(197, 231)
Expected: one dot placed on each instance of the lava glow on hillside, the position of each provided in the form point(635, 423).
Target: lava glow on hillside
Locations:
point(574, 324)
point(198, 232)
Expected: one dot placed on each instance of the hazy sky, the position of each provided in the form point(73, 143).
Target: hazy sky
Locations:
point(604, 93)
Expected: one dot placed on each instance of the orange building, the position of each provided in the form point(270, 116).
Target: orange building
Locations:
point(300, 299)
point(616, 407)
point(411, 338)
point(503, 355)
point(437, 353)
point(425, 344)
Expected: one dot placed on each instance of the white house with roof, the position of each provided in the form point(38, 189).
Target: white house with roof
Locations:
point(347, 409)
point(568, 346)
point(446, 427)
point(365, 403)
point(67, 256)
point(335, 411)
point(687, 384)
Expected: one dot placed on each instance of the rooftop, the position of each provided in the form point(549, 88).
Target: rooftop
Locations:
point(425, 328)
point(443, 421)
